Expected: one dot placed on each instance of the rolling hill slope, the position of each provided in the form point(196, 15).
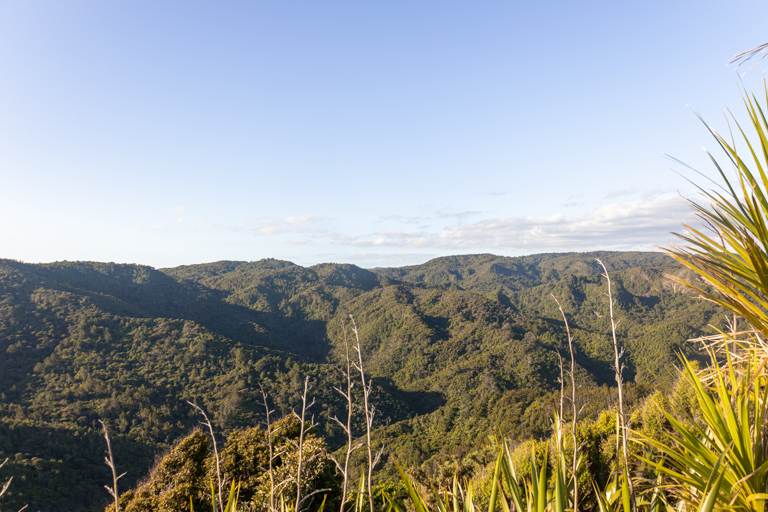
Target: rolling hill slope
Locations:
point(457, 346)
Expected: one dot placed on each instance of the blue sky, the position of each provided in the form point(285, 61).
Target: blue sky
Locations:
point(377, 133)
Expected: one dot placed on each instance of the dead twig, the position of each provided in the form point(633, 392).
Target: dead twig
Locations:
point(347, 425)
point(302, 432)
point(270, 447)
point(219, 481)
point(109, 460)
point(367, 410)
point(574, 412)
point(618, 354)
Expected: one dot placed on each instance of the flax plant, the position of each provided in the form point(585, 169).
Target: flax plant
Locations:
point(231, 504)
point(723, 457)
point(729, 255)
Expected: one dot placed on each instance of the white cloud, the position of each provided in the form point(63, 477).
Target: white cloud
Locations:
point(627, 223)
point(643, 223)
point(286, 225)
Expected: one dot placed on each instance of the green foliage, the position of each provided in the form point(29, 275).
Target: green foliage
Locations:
point(721, 457)
point(179, 477)
point(723, 452)
point(231, 504)
point(716, 461)
point(184, 475)
point(458, 348)
point(731, 257)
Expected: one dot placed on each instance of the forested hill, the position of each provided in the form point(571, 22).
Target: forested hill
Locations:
point(444, 341)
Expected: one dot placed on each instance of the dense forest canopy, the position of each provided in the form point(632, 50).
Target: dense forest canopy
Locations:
point(457, 347)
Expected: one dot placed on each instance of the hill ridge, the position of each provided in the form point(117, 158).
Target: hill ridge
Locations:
point(442, 341)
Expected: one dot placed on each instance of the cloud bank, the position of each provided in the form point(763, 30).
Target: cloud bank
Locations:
point(624, 223)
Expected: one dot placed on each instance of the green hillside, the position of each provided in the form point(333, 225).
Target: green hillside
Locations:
point(456, 346)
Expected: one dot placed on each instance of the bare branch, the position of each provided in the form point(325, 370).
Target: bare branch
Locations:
point(561, 381)
point(347, 426)
point(207, 423)
point(618, 353)
point(377, 458)
point(267, 413)
point(574, 412)
point(109, 460)
point(316, 491)
point(367, 409)
point(7, 485)
point(302, 431)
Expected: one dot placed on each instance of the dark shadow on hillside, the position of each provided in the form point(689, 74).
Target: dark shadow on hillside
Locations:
point(417, 402)
point(438, 325)
point(628, 301)
point(142, 292)
point(56, 465)
point(601, 371)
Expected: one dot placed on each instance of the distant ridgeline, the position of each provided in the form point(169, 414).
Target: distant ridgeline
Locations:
point(457, 347)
